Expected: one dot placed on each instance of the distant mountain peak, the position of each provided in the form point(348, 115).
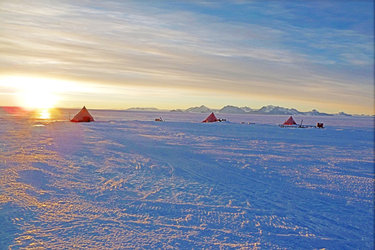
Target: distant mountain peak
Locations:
point(343, 114)
point(277, 110)
point(142, 109)
point(247, 109)
point(232, 110)
point(201, 109)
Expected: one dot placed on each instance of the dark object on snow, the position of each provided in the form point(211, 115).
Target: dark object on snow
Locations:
point(319, 125)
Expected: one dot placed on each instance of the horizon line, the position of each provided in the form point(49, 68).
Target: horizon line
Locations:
point(182, 109)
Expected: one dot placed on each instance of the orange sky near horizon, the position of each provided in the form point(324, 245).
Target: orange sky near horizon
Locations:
point(39, 93)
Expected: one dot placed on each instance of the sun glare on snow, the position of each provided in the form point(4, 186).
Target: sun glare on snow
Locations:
point(44, 114)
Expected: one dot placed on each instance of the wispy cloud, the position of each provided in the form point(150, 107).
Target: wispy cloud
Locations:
point(130, 44)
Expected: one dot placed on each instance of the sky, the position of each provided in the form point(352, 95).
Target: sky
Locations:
point(178, 54)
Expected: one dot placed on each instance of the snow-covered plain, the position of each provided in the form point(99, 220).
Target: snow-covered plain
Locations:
point(126, 181)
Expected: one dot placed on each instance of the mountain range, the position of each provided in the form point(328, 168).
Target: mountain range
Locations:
point(265, 110)
point(229, 109)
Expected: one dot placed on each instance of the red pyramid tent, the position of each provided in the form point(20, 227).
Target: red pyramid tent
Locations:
point(83, 116)
point(290, 121)
point(211, 118)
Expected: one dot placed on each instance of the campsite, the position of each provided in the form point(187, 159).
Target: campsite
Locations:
point(127, 181)
point(187, 124)
point(291, 123)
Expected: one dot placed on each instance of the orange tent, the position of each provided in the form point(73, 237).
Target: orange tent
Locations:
point(290, 121)
point(211, 118)
point(83, 116)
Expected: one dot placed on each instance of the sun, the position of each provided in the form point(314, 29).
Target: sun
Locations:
point(38, 98)
point(34, 93)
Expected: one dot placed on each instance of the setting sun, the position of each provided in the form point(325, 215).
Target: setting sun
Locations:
point(33, 93)
point(37, 98)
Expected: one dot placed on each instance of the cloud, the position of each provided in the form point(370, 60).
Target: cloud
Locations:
point(130, 44)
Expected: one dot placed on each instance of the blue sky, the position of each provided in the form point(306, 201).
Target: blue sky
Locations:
point(176, 54)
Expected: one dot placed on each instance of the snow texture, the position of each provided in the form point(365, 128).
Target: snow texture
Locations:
point(126, 181)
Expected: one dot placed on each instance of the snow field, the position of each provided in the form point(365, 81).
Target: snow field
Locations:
point(128, 184)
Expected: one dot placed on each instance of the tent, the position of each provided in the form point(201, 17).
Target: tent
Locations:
point(211, 118)
point(290, 121)
point(83, 116)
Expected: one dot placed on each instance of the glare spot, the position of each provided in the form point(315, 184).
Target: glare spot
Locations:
point(44, 114)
